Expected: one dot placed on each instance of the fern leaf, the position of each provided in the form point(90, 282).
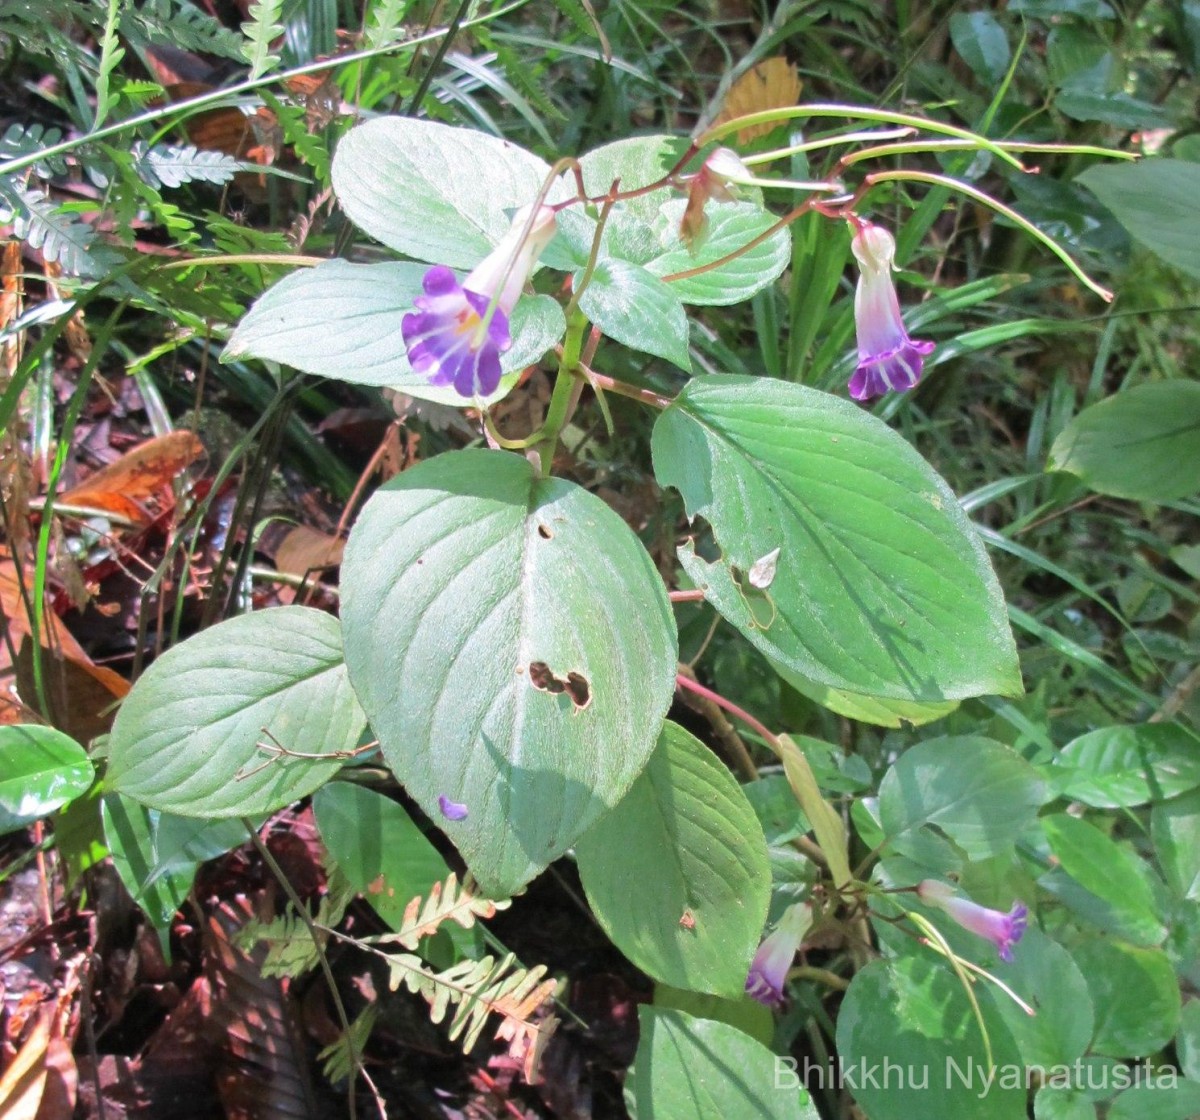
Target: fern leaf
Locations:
point(582, 15)
point(446, 902)
point(111, 53)
point(384, 25)
point(291, 949)
point(60, 236)
point(179, 23)
point(338, 1057)
point(26, 140)
point(170, 165)
point(262, 29)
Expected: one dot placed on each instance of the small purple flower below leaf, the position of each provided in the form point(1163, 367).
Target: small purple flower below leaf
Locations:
point(887, 358)
point(768, 971)
point(1002, 930)
point(451, 810)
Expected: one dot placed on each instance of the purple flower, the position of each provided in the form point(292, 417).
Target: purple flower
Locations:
point(1003, 930)
point(451, 810)
point(768, 971)
point(451, 336)
point(887, 357)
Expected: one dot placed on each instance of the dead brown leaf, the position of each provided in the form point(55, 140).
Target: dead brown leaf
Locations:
point(304, 550)
point(772, 84)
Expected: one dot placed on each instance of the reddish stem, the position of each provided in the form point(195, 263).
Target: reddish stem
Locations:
point(695, 686)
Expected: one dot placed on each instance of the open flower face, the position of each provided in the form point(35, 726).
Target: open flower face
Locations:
point(887, 357)
point(458, 331)
point(1003, 930)
point(768, 972)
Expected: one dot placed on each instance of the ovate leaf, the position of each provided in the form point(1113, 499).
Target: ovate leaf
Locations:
point(882, 587)
point(1130, 765)
point(40, 770)
point(515, 651)
point(677, 873)
point(636, 308)
point(241, 719)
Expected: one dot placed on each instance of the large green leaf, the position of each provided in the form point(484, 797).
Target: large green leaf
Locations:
point(1103, 868)
point(344, 320)
point(677, 873)
point(436, 193)
point(1155, 199)
point(636, 308)
point(1135, 994)
point(1175, 829)
point(910, 1046)
point(1158, 1095)
point(701, 1069)
point(40, 770)
point(1143, 443)
point(980, 793)
point(515, 651)
point(241, 719)
point(1128, 765)
point(881, 587)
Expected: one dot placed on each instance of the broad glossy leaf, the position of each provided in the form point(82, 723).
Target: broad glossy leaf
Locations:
point(636, 308)
point(1131, 764)
point(705, 1070)
point(343, 320)
point(1143, 443)
point(983, 44)
point(911, 1012)
point(744, 1013)
point(1155, 200)
point(1175, 829)
point(980, 793)
point(383, 854)
point(201, 732)
point(515, 651)
point(867, 709)
point(1135, 994)
point(40, 770)
point(1108, 871)
point(1159, 1095)
point(440, 194)
point(1062, 1103)
point(677, 873)
point(882, 587)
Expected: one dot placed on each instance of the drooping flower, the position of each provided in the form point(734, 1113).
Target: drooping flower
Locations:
point(450, 336)
point(887, 357)
point(768, 972)
point(1002, 930)
point(719, 170)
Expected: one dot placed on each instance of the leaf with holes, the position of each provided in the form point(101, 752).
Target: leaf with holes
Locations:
point(687, 836)
point(513, 646)
point(241, 719)
point(882, 587)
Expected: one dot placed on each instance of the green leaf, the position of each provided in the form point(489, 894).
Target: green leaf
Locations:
point(40, 770)
point(1175, 829)
point(239, 720)
point(261, 30)
point(882, 587)
point(1087, 9)
point(982, 43)
point(744, 1013)
point(439, 194)
point(1128, 765)
point(1187, 1041)
point(867, 709)
point(706, 1070)
point(909, 1016)
point(1160, 1096)
point(1109, 872)
point(1143, 443)
point(1155, 200)
point(344, 320)
point(494, 586)
point(1135, 994)
point(730, 226)
point(980, 793)
point(1055, 1102)
point(382, 853)
point(677, 873)
point(637, 309)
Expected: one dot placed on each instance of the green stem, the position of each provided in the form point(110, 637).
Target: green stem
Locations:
point(560, 398)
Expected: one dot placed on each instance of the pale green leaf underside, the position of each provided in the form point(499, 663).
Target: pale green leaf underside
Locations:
point(187, 738)
point(343, 320)
point(459, 576)
point(882, 586)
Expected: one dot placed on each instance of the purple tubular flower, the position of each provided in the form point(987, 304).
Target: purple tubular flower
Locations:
point(450, 336)
point(768, 971)
point(887, 357)
point(1002, 930)
point(451, 810)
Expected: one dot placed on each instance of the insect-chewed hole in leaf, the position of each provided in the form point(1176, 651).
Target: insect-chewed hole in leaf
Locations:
point(545, 532)
point(758, 599)
point(574, 685)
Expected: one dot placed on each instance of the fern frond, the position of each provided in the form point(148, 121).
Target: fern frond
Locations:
point(447, 902)
point(262, 29)
point(171, 165)
point(582, 15)
point(291, 949)
point(36, 219)
point(384, 25)
point(479, 989)
point(24, 140)
point(338, 1058)
point(179, 23)
point(111, 53)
